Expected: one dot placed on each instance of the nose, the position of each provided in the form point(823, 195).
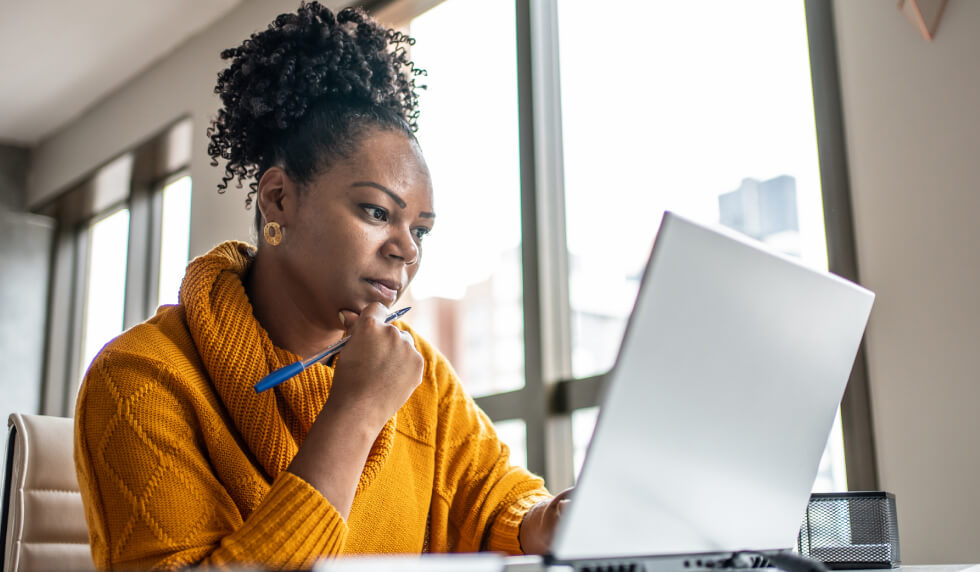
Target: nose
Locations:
point(401, 245)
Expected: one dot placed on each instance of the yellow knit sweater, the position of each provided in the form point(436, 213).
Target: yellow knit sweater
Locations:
point(180, 462)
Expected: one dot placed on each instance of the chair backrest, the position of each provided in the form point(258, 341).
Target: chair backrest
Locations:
point(43, 526)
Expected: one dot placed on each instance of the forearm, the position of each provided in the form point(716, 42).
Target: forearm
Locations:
point(508, 532)
point(292, 528)
point(333, 454)
point(377, 372)
point(537, 528)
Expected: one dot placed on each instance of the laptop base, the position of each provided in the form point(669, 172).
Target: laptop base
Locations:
point(665, 563)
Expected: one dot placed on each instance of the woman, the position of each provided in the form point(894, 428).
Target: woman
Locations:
point(181, 462)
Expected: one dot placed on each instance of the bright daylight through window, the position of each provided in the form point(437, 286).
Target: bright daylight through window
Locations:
point(713, 121)
point(106, 271)
point(467, 298)
point(106, 286)
point(175, 238)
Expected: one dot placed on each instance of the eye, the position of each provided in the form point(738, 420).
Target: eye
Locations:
point(376, 213)
point(421, 232)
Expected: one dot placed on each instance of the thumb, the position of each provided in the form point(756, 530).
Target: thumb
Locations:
point(347, 319)
point(564, 495)
point(375, 311)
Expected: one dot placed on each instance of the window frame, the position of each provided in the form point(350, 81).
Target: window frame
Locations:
point(859, 444)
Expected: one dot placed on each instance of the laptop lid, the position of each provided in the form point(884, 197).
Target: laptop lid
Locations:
point(717, 411)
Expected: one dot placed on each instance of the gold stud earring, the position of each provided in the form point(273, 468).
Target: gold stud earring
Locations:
point(272, 233)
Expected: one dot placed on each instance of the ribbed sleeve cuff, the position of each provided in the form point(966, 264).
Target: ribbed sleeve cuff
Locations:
point(292, 527)
point(505, 532)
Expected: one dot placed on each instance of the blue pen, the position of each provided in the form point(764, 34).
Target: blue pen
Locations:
point(293, 369)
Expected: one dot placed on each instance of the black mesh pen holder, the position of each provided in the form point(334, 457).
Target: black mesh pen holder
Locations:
point(851, 531)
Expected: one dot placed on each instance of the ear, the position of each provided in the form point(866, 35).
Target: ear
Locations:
point(276, 197)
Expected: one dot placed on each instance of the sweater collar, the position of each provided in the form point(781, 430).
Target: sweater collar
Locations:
point(237, 352)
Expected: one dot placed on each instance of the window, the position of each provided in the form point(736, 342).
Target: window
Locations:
point(175, 238)
point(108, 238)
point(467, 298)
point(552, 161)
point(105, 286)
point(513, 432)
point(717, 124)
point(583, 424)
point(723, 133)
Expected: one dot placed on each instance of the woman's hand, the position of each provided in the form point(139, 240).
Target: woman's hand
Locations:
point(377, 372)
point(378, 369)
point(538, 526)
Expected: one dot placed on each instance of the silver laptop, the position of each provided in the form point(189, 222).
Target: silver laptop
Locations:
point(717, 411)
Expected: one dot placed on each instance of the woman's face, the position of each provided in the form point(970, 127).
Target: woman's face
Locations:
point(354, 234)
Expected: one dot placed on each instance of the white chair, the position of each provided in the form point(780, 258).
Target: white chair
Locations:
point(43, 526)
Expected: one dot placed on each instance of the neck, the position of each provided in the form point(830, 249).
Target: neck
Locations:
point(290, 326)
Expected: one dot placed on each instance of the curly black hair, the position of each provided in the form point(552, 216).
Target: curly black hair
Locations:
point(299, 93)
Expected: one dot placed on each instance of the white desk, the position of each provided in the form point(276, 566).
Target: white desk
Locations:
point(940, 568)
point(490, 563)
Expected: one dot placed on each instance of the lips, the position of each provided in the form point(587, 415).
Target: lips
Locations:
point(388, 289)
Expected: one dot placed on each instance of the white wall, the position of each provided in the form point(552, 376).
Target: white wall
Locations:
point(912, 121)
point(181, 84)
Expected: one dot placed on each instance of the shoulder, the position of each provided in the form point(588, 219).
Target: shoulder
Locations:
point(147, 390)
point(164, 339)
point(158, 353)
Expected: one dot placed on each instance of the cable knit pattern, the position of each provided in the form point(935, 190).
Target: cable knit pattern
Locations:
point(180, 462)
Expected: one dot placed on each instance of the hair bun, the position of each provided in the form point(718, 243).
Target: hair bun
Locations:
point(306, 59)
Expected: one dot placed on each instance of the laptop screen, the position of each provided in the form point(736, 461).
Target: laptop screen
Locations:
point(716, 413)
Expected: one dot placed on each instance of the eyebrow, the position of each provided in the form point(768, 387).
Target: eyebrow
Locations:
point(398, 200)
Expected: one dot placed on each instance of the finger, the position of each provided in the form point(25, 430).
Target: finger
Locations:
point(347, 318)
point(407, 337)
point(373, 312)
point(565, 494)
point(562, 506)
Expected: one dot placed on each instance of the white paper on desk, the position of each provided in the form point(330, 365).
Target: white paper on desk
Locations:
point(473, 562)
